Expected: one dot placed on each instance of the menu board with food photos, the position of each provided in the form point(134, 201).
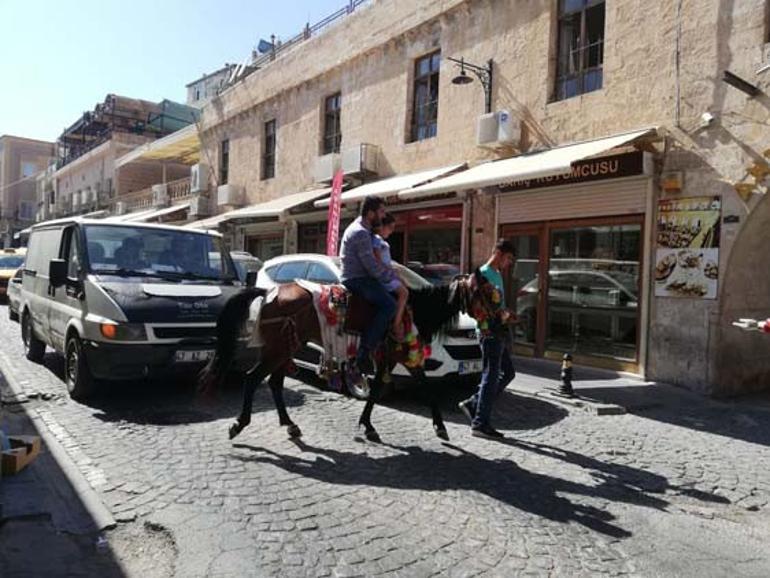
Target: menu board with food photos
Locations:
point(687, 256)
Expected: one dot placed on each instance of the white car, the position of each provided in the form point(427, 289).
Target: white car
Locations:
point(455, 354)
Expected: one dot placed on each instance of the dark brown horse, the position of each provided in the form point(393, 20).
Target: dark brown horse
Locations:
point(290, 320)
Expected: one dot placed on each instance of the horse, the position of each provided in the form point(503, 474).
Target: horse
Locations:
point(290, 320)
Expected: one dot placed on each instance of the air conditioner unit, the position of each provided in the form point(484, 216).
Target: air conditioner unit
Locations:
point(362, 159)
point(160, 195)
point(199, 178)
point(498, 130)
point(199, 206)
point(325, 167)
point(121, 208)
point(230, 195)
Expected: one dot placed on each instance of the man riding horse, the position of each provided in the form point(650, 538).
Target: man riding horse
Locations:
point(365, 276)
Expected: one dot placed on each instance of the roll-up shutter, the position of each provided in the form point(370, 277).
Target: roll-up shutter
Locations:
point(623, 197)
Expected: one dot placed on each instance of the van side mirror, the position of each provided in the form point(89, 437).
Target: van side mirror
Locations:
point(57, 272)
point(251, 278)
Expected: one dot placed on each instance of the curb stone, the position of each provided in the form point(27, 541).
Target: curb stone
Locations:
point(582, 403)
point(89, 497)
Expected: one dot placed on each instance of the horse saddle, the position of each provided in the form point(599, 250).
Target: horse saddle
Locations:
point(359, 314)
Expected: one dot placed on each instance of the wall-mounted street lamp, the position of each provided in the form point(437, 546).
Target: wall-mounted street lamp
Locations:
point(483, 73)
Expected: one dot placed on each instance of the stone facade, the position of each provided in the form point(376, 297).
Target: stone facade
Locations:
point(21, 160)
point(661, 68)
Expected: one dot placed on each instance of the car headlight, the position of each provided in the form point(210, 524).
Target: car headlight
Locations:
point(123, 331)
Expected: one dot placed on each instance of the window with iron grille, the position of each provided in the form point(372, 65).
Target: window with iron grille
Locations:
point(268, 147)
point(580, 47)
point(332, 124)
point(425, 103)
point(224, 161)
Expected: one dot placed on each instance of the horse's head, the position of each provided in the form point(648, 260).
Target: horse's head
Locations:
point(436, 308)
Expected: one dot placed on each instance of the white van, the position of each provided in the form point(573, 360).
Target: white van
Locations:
point(123, 300)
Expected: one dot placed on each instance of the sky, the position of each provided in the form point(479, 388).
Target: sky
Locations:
point(59, 58)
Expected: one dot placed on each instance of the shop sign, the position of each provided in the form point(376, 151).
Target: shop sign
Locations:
point(335, 207)
point(687, 255)
point(613, 167)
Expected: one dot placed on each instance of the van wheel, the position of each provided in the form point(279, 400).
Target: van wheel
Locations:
point(80, 383)
point(34, 349)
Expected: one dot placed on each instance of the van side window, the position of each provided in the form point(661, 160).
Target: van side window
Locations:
point(71, 253)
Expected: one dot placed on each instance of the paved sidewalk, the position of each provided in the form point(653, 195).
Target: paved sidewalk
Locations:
point(41, 513)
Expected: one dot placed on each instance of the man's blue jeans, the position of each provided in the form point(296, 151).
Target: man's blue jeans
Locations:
point(385, 309)
point(497, 373)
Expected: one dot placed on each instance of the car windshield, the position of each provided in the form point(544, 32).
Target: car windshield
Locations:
point(11, 261)
point(145, 251)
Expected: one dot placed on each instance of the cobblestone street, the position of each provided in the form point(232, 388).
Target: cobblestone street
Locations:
point(660, 490)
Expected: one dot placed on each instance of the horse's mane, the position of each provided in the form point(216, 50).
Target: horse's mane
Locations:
point(436, 308)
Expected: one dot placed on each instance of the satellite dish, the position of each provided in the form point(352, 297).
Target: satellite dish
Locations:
point(264, 46)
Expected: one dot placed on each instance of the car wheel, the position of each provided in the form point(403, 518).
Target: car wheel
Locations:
point(34, 349)
point(357, 386)
point(77, 376)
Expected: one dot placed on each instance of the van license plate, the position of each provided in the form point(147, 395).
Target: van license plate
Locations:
point(466, 367)
point(187, 356)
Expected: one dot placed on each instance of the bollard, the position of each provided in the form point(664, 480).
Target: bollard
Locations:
point(566, 376)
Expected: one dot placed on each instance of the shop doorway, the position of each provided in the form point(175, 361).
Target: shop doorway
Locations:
point(265, 247)
point(576, 289)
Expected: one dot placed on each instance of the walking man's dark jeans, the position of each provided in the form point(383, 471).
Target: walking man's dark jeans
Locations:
point(385, 308)
point(496, 374)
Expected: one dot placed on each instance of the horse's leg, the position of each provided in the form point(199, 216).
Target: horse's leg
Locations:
point(276, 388)
point(365, 420)
point(430, 394)
point(252, 379)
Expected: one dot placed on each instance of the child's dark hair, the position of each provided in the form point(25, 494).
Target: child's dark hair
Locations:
point(388, 219)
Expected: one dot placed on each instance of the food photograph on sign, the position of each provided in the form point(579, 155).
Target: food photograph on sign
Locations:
point(687, 256)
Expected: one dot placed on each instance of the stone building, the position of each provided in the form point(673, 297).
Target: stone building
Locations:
point(88, 176)
point(21, 160)
point(200, 91)
point(625, 156)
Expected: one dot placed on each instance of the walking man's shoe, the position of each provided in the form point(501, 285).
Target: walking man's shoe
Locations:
point(487, 432)
point(468, 408)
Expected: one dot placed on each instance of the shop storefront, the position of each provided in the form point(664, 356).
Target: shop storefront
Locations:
point(579, 284)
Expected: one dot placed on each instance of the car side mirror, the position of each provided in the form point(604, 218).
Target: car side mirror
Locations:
point(57, 272)
point(251, 278)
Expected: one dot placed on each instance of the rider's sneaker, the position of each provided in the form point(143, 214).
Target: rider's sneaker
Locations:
point(468, 408)
point(487, 432)
point(365, 365)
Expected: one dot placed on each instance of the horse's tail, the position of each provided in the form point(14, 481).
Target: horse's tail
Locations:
point(234, 313)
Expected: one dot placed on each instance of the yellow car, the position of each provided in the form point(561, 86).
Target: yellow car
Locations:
point(10, 261)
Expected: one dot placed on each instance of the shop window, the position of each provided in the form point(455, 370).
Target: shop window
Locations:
point(268, 148)
point(425, 100)
point(332, 137)
point(224, 161)
point(580, 52)
point(593, 290)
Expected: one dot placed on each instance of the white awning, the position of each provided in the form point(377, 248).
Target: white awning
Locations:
point(556, 161)
point(392, 185)
point(182, 146)
point(149, 215)
point(274, 208)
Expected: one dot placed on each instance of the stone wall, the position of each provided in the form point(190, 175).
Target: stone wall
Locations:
point(370, 59)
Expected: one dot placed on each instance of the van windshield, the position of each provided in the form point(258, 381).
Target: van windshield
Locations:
point(144, 251)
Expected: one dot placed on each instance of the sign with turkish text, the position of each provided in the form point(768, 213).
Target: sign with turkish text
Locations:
point(611, 167)
point(335, 207)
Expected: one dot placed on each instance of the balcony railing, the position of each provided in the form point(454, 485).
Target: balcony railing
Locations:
point(177, 191)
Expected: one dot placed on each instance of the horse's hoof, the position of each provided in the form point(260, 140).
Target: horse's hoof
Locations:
point(234, 430)
point(441, 433)
point(294, 431)
point(373, 436)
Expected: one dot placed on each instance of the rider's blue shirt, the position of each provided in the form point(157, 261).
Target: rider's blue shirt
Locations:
point(357, 254)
